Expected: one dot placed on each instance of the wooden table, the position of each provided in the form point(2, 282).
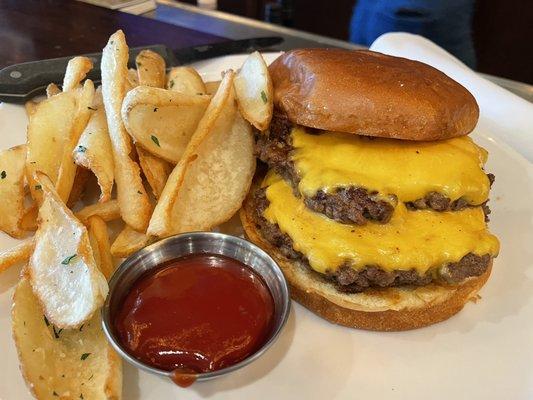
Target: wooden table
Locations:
point(33, 30)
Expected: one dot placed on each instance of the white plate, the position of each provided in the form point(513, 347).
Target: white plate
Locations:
point(485, 352)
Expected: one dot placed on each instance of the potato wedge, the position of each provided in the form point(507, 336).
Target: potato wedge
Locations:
point(30, 107)
point(162, 121)
point(99, 238)
point(62, 269)
point(209, 184)
point(63, 364)
point(185, 80)
point(48, 130)
point(216, 182)
point(52, 89)
point(16, 255)
point(93, 151)
point(133, 200)
point(12, 175)
point(108, 211)
point(150, 68)
point(128, 242)
point(156, 170)
point(212, 87)
point(77, 69)
point(254, 91)
point(67, 169)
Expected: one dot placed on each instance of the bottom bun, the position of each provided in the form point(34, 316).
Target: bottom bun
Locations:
point(387, 309)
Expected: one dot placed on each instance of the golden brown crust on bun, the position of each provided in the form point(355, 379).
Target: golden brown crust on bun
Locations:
point(373, 94)
point(389, 309)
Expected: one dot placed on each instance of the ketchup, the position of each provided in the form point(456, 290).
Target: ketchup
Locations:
point(199, 313)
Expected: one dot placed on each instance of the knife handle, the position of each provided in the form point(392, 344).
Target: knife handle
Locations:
point(20, 82)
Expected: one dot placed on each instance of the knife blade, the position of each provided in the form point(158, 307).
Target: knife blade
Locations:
point(20, 82)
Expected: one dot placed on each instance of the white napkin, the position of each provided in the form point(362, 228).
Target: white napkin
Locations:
point(509, 117)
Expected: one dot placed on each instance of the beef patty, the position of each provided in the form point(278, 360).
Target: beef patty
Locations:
point(349, 205)
point(350, 280)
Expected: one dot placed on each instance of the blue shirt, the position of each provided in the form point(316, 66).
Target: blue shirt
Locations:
point(447, 23)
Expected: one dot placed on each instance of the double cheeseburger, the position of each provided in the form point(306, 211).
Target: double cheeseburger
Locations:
point(375, 199)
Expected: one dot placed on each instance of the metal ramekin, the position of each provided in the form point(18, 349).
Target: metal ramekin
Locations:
point(193, 243)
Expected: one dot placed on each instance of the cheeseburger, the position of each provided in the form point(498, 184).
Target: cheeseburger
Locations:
point(375, 199)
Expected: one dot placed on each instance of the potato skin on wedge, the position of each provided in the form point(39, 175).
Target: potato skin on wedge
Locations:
point(63, 364)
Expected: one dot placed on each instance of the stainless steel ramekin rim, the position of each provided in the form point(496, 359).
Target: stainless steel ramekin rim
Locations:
point(284, 312)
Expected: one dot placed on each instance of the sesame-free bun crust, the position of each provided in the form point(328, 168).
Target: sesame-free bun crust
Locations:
point(372, 94)
point(388, 309)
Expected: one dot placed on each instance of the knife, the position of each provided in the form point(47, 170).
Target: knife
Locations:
point(20, 82)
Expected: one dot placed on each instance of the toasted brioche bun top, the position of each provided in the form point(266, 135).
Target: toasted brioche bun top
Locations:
point(372, 94)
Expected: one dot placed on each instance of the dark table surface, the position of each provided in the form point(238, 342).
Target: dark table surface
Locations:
point(33, 30)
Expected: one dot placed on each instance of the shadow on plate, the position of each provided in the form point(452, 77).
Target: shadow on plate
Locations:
point(251, 373)
point(131, 377)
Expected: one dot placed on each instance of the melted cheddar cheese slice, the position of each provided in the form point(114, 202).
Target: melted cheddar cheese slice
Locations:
point(407, 169)
point(419, 240)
